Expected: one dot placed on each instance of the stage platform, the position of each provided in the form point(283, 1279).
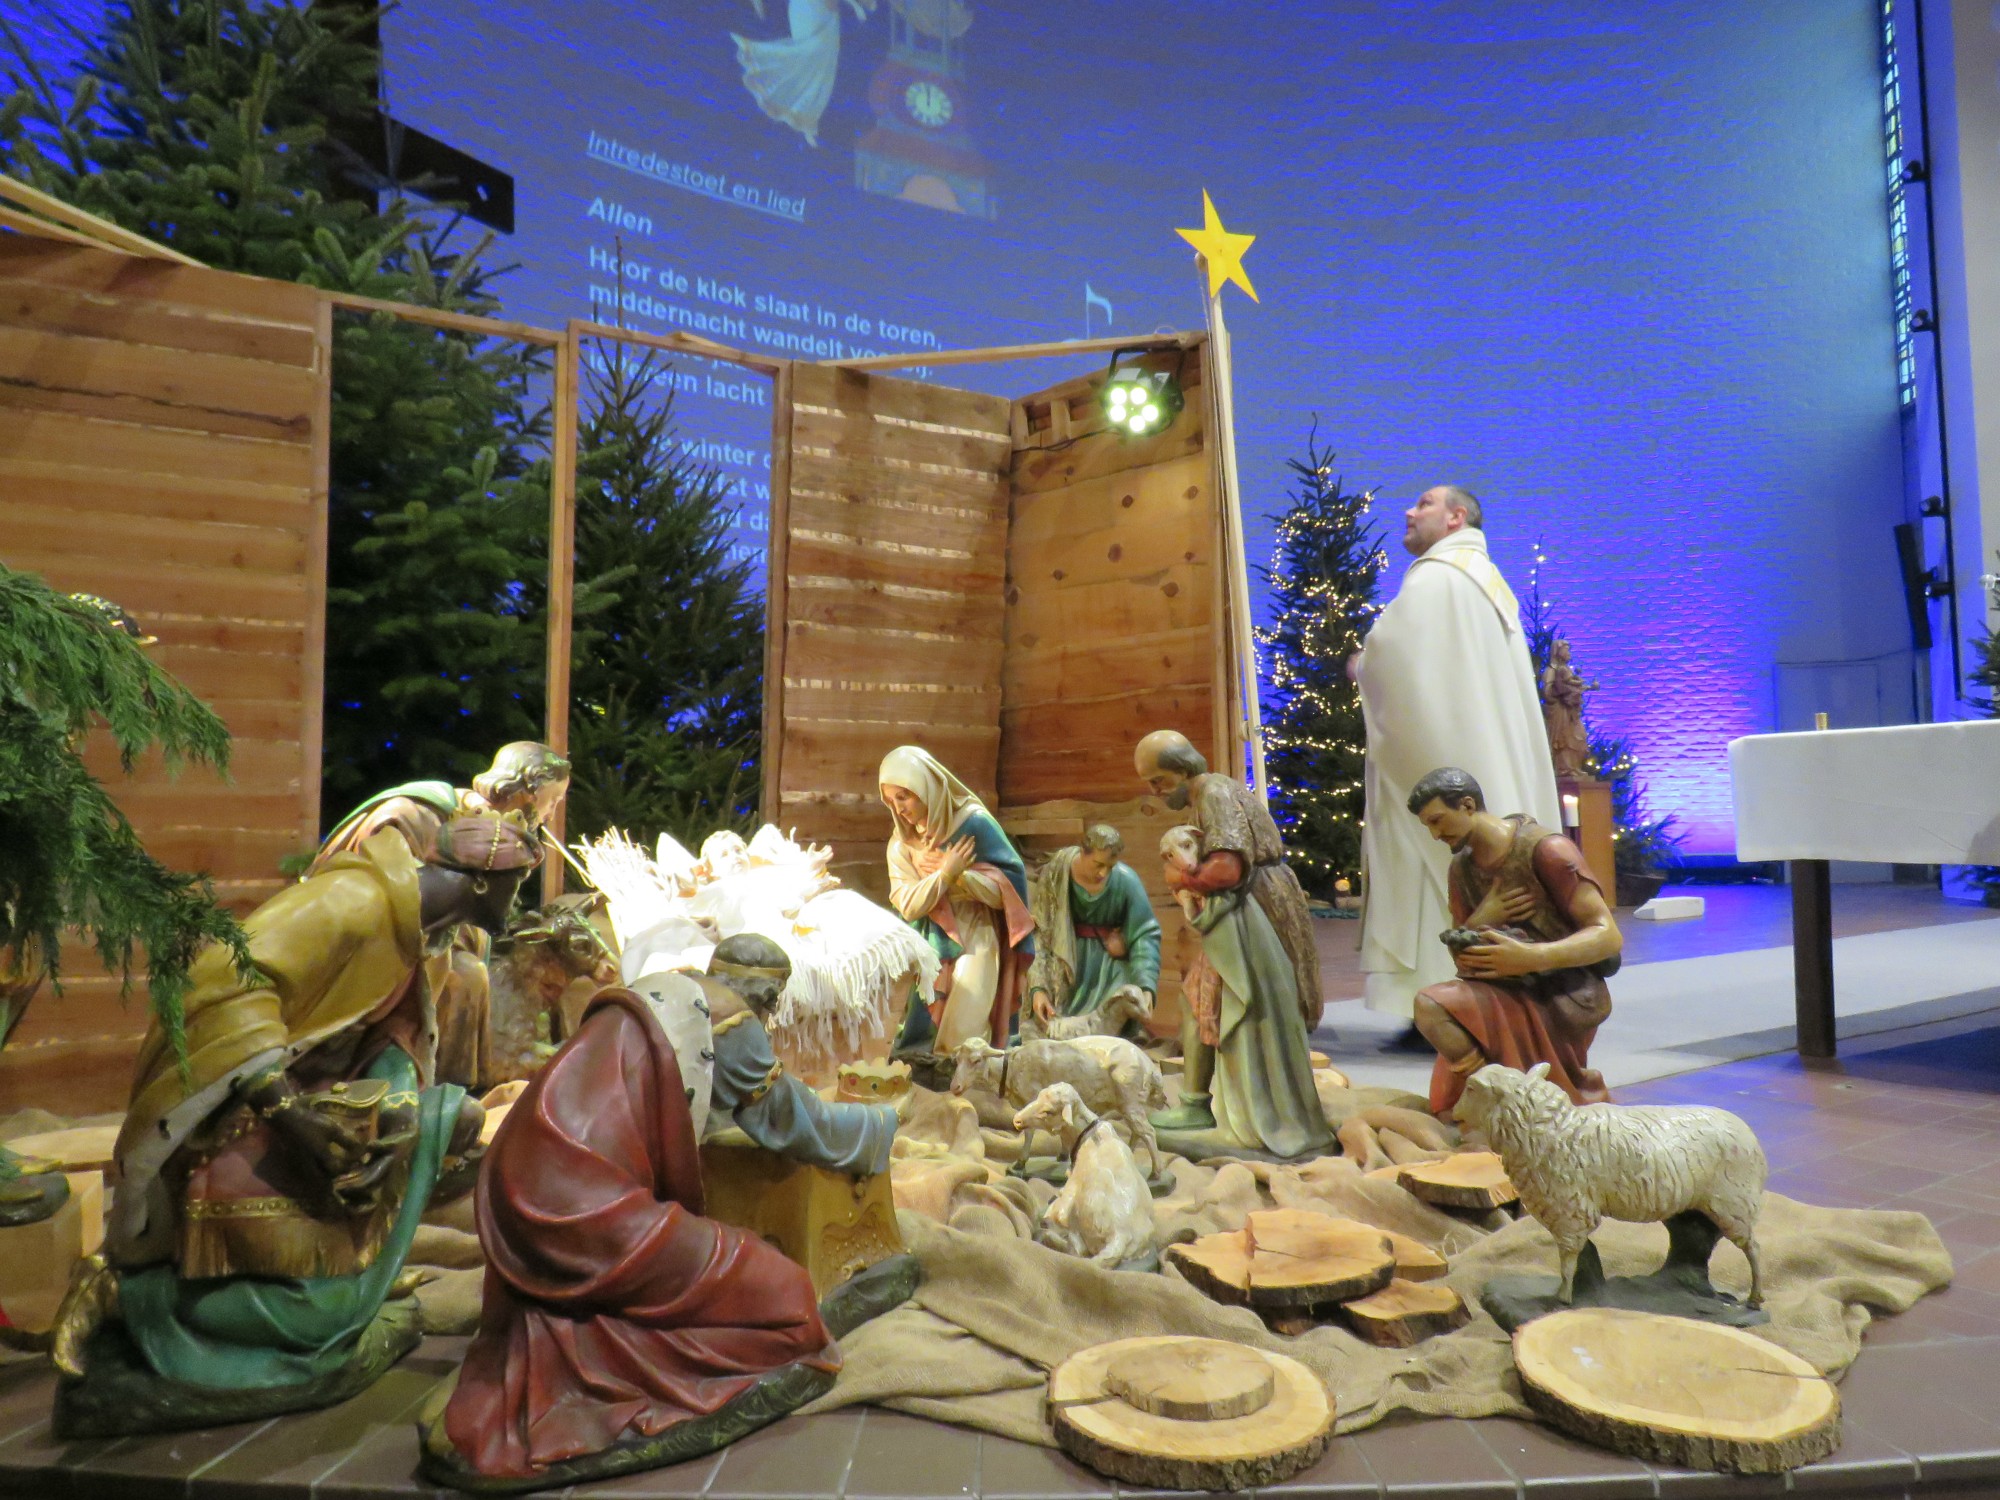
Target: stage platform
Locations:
point(1909, 1119)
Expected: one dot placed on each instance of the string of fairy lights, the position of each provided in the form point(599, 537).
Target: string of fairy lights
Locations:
point(1324, 614)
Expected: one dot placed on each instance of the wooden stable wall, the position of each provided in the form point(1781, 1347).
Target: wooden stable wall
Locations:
point(163, 443)
point(892, 556)
point(1114, 603)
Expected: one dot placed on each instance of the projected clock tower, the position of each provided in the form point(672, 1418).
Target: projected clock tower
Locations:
point(921, 148)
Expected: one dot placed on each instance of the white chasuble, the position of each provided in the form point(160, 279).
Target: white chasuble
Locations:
point(1445, 681)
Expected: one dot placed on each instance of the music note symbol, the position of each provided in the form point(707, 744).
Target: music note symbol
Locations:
point(1090, 300)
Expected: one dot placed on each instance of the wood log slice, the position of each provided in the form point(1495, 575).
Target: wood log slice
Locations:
point(1674, 1391)
point(1405, 1313)
point(1101, 1430)
point(1197, 1380)
point(1415, 1261)
point(1472, 1180)
point(1288, 1260)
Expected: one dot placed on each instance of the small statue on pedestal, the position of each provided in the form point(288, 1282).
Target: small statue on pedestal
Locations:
point(1534, 942)
point(1251, 1079)
point(1562, 710)
point(622, 1330)
point(1097, 935)
point(271, 1181)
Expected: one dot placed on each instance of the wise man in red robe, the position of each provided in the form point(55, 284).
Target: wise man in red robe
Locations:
point(1534, 941)
point(620, 1329)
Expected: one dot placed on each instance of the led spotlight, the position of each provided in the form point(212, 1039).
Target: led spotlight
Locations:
point(1137, 402)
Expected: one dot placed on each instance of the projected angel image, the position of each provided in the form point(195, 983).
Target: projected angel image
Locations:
point(792, 77)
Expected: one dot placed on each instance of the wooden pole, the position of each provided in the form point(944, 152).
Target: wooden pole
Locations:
point(776, 593)
point(1003, 352)
point(312, 729)
point(682, 343)
point(438, 317)
point(1222, 404)
point(103, 232)
point(562, 576)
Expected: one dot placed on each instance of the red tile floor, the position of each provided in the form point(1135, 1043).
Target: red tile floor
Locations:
point(1907, 1119)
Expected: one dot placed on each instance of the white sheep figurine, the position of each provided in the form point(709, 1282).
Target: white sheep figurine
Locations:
point(1577, 1165)
point(1105, 1211)
point(1109, 1074)
point(1121, 1008)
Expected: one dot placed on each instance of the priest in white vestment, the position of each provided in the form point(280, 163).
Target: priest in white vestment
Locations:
point(1445, 681)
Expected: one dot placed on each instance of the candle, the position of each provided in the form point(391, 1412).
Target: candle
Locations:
point(1569, 812)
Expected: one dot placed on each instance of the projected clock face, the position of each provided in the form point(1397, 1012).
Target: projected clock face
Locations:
point(927, 103)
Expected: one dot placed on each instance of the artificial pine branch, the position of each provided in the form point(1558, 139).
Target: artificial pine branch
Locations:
point(69, 860)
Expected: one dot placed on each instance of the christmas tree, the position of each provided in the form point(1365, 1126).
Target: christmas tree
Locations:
point(213, 126)
point(1643, 844)
point(69, 860)
point(1326, 569)
point(666, 704)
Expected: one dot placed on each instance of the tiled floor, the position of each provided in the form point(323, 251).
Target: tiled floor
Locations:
point(1907, 1120)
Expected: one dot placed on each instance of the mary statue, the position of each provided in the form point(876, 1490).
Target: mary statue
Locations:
point(954, 876)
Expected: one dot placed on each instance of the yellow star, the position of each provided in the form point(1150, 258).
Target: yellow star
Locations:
point(1222, 250)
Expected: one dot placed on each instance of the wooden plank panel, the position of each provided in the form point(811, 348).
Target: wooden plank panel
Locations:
point(158, 805)
point(818, 600)
point(45, 309)
point(1129, 508)
point(909, 400)
point(824, 653)
point(35, 526)
point(829, 756)
point(185, 497)
point(855, 819)
point(873, 475)
point(1181, 600)
point(250, 637)
point(147, 590)
point(212, 674)
point(266, 764)
point(964, 529)
point(880, 703)
point(234, 851)
point(205, 393)
point(1110, 723)
point(818, 436)
point(130, 279)
point(812, 554)
point(129, 448)
point(1040, 470)
point(1055, 670)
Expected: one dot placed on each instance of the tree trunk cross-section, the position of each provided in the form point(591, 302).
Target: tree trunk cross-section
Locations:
point(1405, 1313)
point(1674, 1391)
point(1472, 1180)
point(1098, 1428)
point(1288, 1260)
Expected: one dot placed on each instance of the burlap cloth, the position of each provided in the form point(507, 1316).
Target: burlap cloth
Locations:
point(996, 1312)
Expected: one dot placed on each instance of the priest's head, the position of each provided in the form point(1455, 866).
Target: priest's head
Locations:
point(754, 967)
point(1439, 512)
point(1167, 762)
point(1448, 801)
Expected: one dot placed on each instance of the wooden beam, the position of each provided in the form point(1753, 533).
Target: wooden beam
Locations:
point(1220, 376)
point(101, 232)
point(457, 322)
point(777, 592)
point(1004, 352)
point(681, 343)
point(312, 729)
point(28, 224)
point(562, 580)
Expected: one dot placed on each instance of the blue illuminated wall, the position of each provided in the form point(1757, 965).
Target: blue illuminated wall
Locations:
point(1620, 268)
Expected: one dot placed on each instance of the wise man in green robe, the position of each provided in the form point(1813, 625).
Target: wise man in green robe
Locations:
point(525, 785)
point(1248, 1070)
point(1098, 933)
point(271, 1185)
